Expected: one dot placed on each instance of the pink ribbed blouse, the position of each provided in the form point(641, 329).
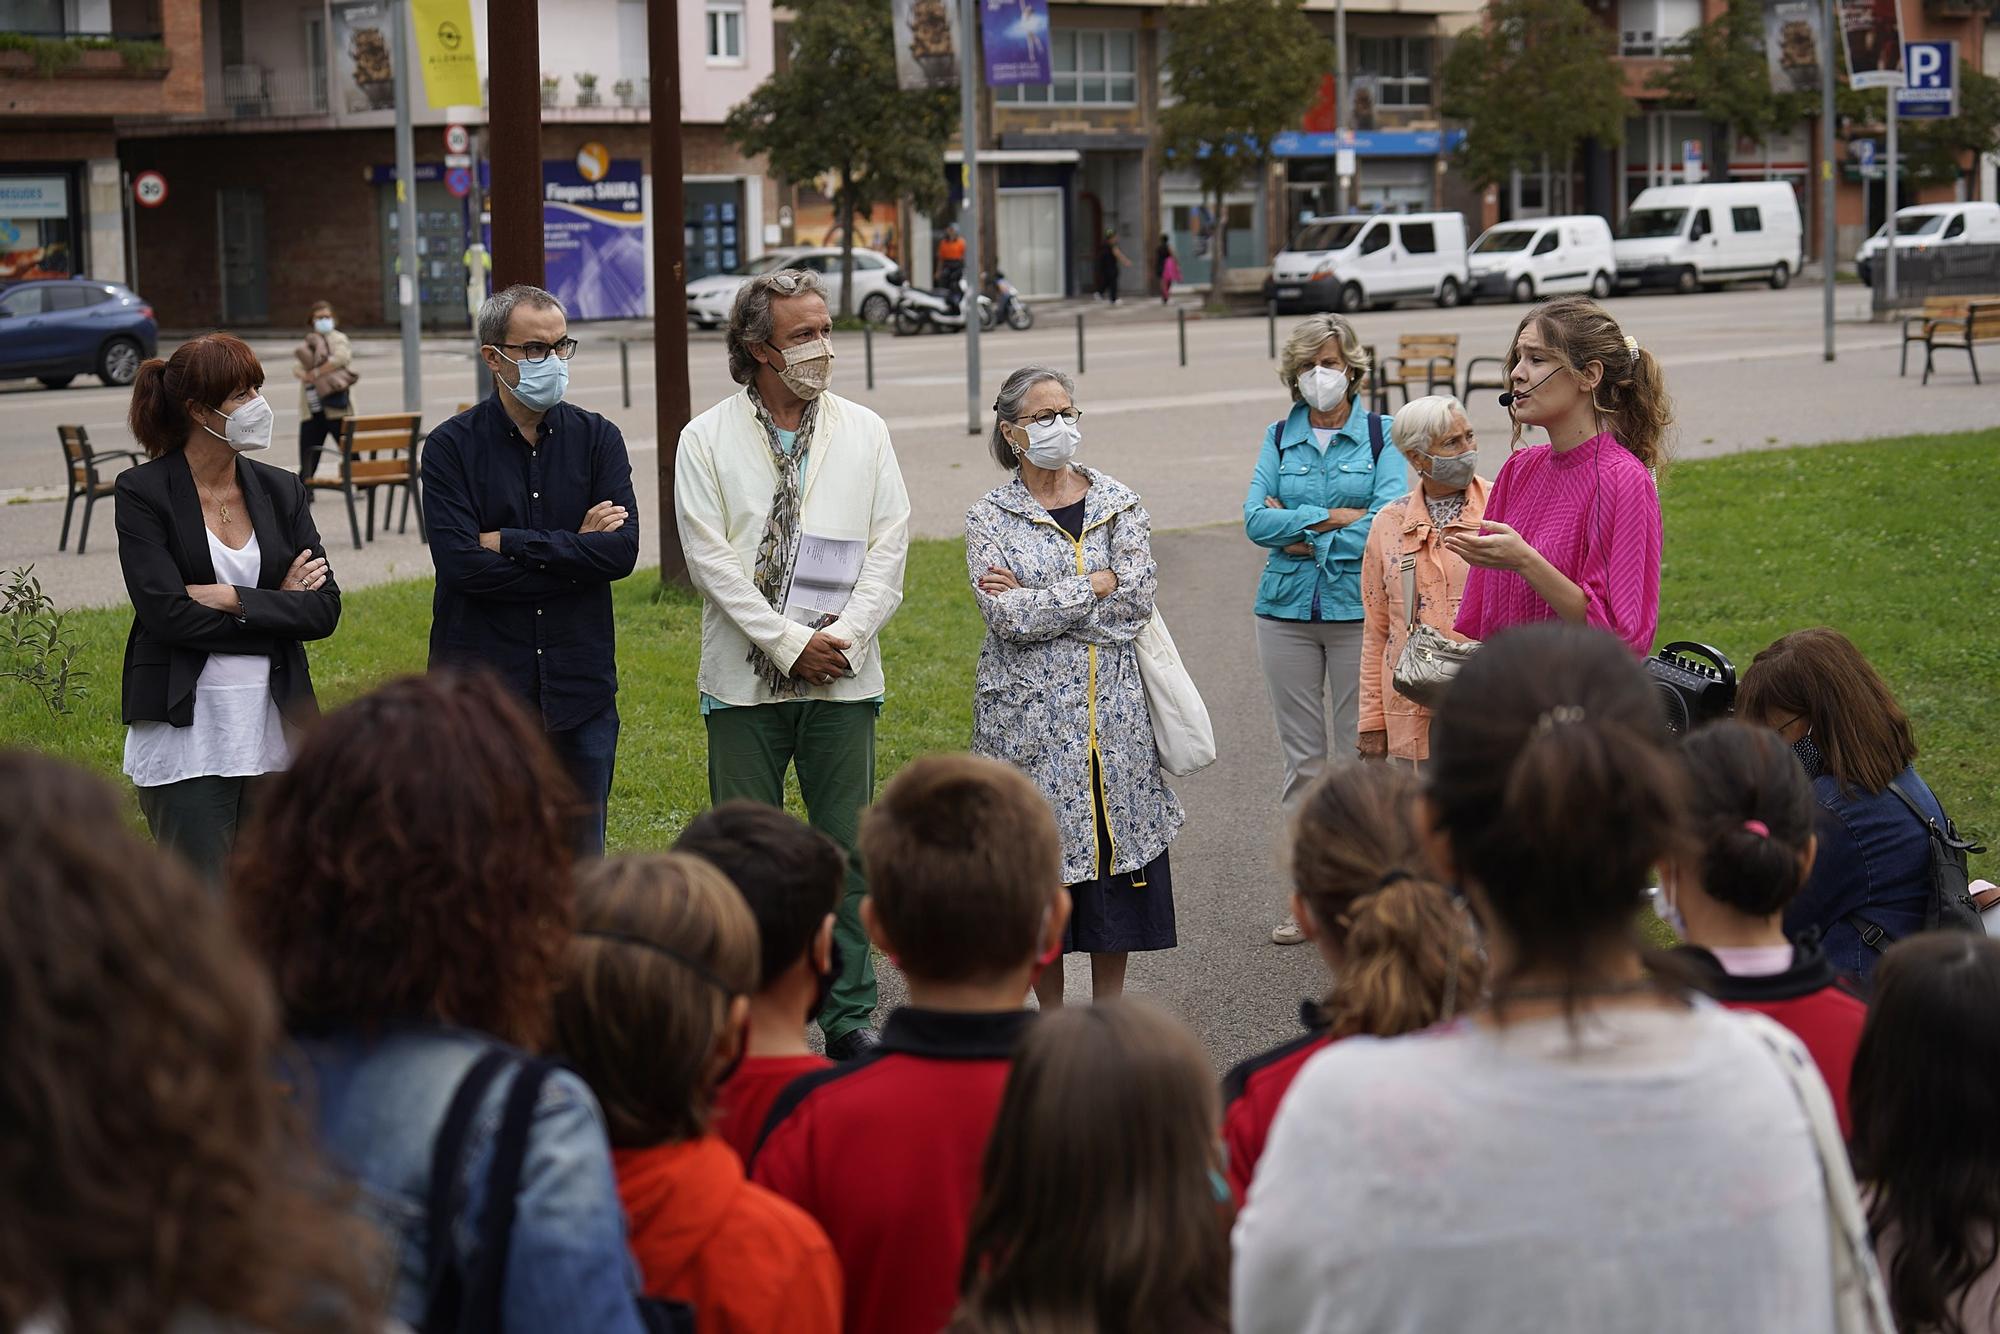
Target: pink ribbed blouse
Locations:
point(1593, 512)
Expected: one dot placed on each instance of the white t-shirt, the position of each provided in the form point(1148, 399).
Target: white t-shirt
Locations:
point(237, 730)
point(1654, 1172)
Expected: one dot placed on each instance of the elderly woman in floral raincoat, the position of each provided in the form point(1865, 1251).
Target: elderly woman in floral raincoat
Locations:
point(1061, 562)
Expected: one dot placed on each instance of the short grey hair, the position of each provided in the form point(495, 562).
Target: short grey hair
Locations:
point(1422, 421)
point(1008, 402)
point(750, 320)
point(1304, 344)
point(496, 312)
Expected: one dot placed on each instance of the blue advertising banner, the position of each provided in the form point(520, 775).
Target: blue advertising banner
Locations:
point(594, 235)
point(1016, 33)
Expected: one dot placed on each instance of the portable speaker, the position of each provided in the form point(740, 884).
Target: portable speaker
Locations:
point(1693, 692)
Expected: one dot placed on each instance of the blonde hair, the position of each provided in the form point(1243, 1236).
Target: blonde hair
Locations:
point(663, 945)
point(1631, 398)
point(1421, 421)
point(1304, 344)
point(1410, 955)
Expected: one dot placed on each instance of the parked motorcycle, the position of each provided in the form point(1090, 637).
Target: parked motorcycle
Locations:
point(1010, 309)
point(918, 310)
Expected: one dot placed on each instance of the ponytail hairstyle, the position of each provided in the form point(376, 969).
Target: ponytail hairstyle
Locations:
point(1631, 398)
point(205, 371)
point(1552, 781)
point(1750, 817)
point(1409, 953)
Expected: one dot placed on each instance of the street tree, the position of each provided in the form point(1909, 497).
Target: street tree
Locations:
point(1531, 87)
point(835, 113)
point(1722, 68)
point(1938, 151)
point(1241, 72)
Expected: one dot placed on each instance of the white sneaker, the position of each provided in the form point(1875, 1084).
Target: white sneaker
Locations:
point(1287, 932)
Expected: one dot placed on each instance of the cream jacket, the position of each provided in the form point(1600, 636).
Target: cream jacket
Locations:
point(724, 478)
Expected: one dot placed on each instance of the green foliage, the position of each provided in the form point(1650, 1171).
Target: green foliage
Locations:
point(1934, 151)
point(1538, 81)
point(35, 645)
point(1725, 72)
point(835, 110)
point(53, 55)
point(1242, 73)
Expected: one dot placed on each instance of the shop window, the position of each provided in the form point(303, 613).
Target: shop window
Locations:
point(1088, 67)
point(725, 32)
point(1400, 68)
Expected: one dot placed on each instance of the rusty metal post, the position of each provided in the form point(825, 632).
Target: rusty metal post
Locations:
point(672, 396)
point(514, 123)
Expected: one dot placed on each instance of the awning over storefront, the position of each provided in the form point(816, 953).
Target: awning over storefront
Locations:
point(1367, 143)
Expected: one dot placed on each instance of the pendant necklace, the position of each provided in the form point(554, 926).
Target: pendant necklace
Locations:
point(221, 505)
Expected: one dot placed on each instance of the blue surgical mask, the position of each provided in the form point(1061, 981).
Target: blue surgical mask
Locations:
point(542, 382)
point(324, 324)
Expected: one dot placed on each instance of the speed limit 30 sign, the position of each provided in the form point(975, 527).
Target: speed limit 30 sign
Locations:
point(150, 189)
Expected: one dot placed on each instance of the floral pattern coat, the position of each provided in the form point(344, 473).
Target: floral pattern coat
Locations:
point(1058, 677)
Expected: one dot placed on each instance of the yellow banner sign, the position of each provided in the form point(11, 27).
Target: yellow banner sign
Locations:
point(445, 51)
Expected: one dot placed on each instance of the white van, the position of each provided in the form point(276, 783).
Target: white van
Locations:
point(1539, 257)
point(1689, 236)
point(1922, 226)
point(1347, 262)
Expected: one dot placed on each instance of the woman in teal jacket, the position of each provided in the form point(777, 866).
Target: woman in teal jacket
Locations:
point(1322, 474)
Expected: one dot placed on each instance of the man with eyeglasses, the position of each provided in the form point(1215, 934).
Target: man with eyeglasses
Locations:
point(531, 517)
point(795, 526)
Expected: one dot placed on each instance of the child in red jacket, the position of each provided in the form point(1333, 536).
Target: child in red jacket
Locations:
point(791, 876)
point(651, 1014)
point(1403, 955)
point(1751, 814)
point(965, 893)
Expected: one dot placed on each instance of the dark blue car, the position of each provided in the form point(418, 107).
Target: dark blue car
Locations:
point(59, 328)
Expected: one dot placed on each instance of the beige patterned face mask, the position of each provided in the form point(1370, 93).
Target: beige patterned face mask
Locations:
point(806, 369)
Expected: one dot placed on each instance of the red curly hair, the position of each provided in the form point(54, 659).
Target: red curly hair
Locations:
point(413, 865)
point(150, 1163)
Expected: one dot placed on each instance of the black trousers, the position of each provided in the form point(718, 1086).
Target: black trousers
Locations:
point(198, 818)
point(314, 432)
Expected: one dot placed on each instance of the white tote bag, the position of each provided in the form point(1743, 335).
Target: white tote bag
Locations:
point(1181, 730)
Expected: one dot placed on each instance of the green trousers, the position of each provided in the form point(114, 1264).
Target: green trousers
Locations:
point(832, 745)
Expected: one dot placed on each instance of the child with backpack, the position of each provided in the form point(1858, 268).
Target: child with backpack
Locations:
point(652, 1015)
point(964, 867)
point(1402, 954)
point(791, 876)
point(1101, 1207)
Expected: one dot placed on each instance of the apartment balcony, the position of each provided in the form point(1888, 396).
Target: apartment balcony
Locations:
point(258, 92)
point(100, 55)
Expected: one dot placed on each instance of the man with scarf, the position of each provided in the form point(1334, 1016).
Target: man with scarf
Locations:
point(780, 465)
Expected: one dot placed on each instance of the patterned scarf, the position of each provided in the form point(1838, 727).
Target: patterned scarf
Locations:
point(779, 546)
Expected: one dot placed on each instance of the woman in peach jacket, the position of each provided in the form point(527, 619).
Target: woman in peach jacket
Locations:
point(1435, 437)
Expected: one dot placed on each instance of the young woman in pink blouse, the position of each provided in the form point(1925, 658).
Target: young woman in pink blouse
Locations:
point(1572, 530)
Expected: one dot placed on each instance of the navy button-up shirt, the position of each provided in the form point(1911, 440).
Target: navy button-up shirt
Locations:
point(538, 611)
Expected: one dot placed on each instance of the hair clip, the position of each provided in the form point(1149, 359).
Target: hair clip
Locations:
point(1632, 346)
point(1557, 716)
point(1758, 827)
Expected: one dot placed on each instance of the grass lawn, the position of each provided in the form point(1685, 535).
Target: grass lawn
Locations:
point(1893, 541)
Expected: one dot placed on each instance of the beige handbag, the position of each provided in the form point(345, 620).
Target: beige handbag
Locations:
point(1181, 729)
point(1431, 659)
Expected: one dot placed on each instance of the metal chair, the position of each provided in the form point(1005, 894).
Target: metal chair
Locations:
point(80, 463)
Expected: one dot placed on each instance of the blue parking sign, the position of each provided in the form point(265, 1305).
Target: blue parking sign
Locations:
point(1930, 90)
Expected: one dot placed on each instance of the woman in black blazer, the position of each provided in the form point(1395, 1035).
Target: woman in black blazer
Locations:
point(228, 579)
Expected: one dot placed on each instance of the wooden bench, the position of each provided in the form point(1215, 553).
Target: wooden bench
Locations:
point(1940, 312)
point(1428, 359)
point(376, 452)
point(1980, 325)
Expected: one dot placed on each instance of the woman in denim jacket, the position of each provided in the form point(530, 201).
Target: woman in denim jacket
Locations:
point(1323, 472)
point(1061, 563)
point(409, 886)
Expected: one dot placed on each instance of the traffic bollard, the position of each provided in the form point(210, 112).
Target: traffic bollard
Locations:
point(1182, 313)
point(1079, 343)
point(868, 351)
point(1271, 335)
point(625, 369)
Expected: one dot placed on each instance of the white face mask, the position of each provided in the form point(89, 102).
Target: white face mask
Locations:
point(1323, 388)
point(247, 429)
point(1667, 910)
point(1051, 446)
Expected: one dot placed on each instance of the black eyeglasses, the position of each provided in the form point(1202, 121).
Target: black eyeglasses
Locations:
point(1068, 415)
point(540, 351)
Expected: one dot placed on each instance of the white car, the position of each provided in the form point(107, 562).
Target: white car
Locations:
point(1922, 226)
point(1343, 263)
point(1692, 236)
point(1538, 257)
point(876, 278)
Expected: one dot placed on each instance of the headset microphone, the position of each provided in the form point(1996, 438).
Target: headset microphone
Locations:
point(1510, 398)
